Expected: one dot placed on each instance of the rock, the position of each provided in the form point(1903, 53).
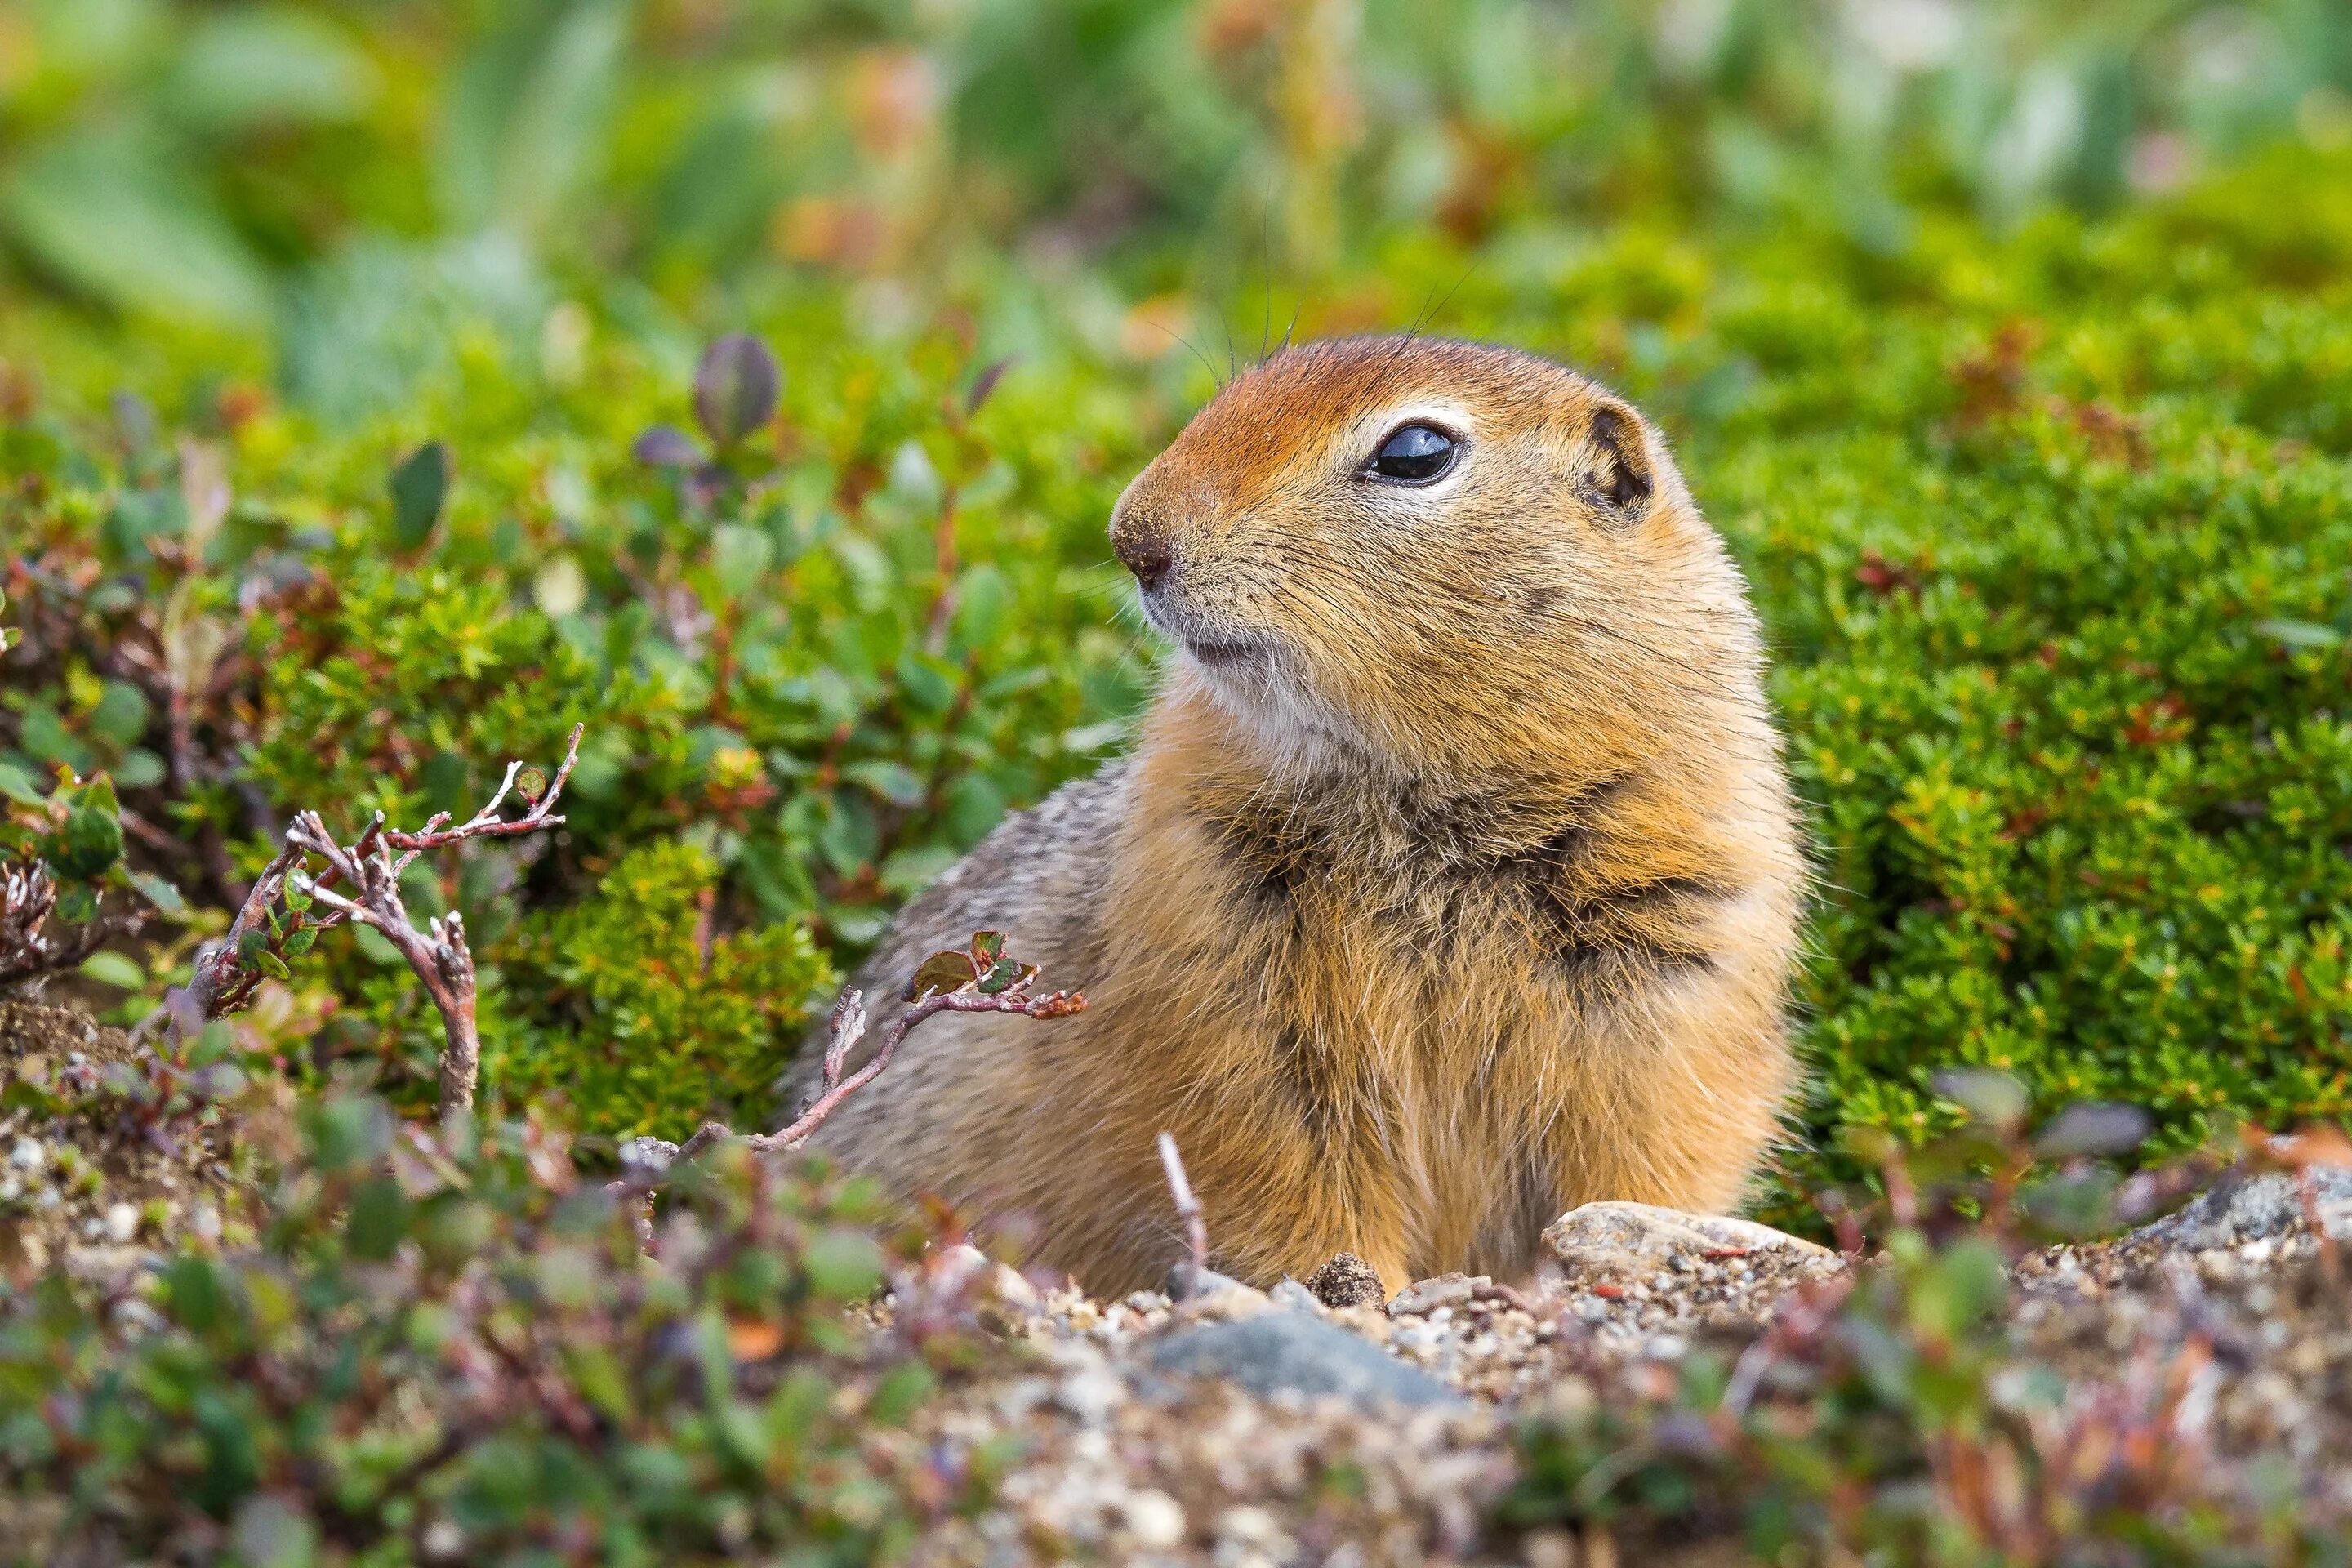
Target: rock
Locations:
point(1012, 1287)
point(1225, 1304)
point(1426, 1296)
point(1346, 1282)
point(1291, 1296)
point(1185, 1281)
point(2250, 1208)
point(1291, 1353)
point(1154, 1519)
point(1619, 1241)
point(121, 1223)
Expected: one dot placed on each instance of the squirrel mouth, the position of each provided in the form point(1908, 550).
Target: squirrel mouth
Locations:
point(1212, 651)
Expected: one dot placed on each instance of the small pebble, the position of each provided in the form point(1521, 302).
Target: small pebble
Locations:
point(1154, 1519)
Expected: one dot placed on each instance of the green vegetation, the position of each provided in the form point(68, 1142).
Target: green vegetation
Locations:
point(357, 435)
point(2050, 531)
point(446, 1344)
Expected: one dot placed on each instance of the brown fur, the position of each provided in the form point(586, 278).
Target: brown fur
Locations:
point(1466, 895)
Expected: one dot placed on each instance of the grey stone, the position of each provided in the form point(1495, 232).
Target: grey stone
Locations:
point(1289, 1293)
point(1291, 1353)
point(1428, 1295)
point(1184, 1282)
point(1619, 1239)
point(651, 1156)
point(2250, 1208)
point(1346, 1282)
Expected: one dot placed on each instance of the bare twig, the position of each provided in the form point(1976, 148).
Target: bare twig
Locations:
point(287, 906)
point(29, 947)
point(1058, 1005)
point(439, 955)
point(1188, 1206)
point(982, 966)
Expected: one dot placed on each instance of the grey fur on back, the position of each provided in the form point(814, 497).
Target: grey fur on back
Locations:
point(1037, 877)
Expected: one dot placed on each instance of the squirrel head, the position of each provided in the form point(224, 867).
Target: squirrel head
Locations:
point(1429, 556)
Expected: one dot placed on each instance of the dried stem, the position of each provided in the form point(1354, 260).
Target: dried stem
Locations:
point(29, 949)
point(852, 1011)
point(848, 1027)
point(1188, 1206)
point(439, 955)
point(286, 903)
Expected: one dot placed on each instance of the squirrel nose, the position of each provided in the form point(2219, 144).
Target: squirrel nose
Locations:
point(1146, 552)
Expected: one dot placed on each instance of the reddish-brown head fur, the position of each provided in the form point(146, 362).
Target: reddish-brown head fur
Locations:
point(1556, 581)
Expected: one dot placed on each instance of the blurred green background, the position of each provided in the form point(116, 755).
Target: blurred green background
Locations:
point(329, 181)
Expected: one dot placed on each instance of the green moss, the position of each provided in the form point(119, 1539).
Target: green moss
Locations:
point(641, 1020)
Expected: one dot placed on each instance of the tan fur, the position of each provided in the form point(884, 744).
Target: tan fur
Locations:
point(1469, 895)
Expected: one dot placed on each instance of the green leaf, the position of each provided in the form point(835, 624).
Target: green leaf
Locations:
point(842, 1265)
point(898, 1392)
point(139, 769)
point(2300, 634)
point(196, 1294)
point(420, 486)
point(159, 893)
point(254, 66)
point(120, 715)
point(301, 942)
point(939, 973)
point(112, 211)
point(894, 781)
point(273, 966)
point(988, 946)
point(529, 113)
point(115, 969)
point(17, 786)
point(1001, 975)
point(379, 1217)
point(89, 842)
point(740, 557)
point(1993, 1098)
point(214, 1043)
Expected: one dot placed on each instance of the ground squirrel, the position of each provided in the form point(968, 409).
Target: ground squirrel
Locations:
point(1454, 881)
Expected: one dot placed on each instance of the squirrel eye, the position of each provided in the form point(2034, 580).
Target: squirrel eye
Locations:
point(1413, 453)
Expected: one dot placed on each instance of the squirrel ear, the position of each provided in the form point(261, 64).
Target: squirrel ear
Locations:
point(1613, 468)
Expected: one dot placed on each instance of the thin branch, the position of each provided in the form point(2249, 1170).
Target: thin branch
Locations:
point(983, 964)
point(288, 902)
point(1188, 1206)
point(30, 948)
point(1059, 1004)
point(847, 1026)
point(439, 955)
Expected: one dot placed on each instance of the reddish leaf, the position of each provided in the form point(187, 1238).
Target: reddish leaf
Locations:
point(942, 973)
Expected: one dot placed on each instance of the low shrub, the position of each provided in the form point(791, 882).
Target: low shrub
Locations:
point(2049, 530)
point(448, 1347)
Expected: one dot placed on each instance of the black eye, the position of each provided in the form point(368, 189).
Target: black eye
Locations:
point(1414, 453)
